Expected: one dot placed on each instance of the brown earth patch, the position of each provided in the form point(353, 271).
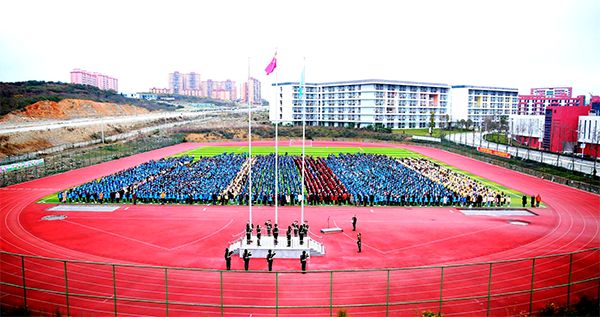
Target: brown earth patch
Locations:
point(73, 108)
point(8, 148)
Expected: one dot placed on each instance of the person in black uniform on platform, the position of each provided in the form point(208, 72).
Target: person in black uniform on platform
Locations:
point(295, 227)
point(303, 258)
point(359, 241)
point(301, 234)
point(288, 235)
point(248, 232)
point(269, 226)
point(228, 258)
point(246, 256)
point(270, 257)
point(354, 223)
point(258, 235)
point(524, 201)
point(275, 234)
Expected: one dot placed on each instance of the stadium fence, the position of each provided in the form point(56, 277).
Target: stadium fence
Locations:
point(513, 287)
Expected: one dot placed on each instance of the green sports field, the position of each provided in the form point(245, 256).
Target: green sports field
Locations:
point(296, 150)
point(325, 151)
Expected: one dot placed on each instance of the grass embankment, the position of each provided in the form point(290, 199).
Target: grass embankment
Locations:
point(436, 133)
point(206, 151)
point(296, 150)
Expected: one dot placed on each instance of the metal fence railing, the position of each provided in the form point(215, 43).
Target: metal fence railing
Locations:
point(509, 287)
point(74, 158)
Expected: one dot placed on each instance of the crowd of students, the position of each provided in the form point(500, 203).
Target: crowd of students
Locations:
point(322, 185)
point(263, 181)
point(373, 179)
point(121, 185)
point(203, 181)
point(357, 179)
point(467, 191)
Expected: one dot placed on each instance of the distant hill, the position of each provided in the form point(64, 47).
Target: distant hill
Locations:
point(18, 95)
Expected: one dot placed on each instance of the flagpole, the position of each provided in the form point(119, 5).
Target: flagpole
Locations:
point(249, 146)
point(276, 150)
point(303, 136)
point(270, 68)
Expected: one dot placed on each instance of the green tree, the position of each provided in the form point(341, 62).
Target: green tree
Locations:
point(468, 124)
point(431, 122)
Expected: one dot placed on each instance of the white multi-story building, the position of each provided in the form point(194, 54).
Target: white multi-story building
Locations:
point(589, 135)
point(478, 103)
point(527, 129)
point(361, 103)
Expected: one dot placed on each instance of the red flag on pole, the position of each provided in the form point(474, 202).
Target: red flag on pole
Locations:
point(272, 65)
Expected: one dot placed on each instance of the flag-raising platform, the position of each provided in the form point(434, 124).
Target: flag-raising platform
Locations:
point(311, 246)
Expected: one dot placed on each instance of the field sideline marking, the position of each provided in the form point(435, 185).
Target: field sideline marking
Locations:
point(205, 237)
point(353, 239)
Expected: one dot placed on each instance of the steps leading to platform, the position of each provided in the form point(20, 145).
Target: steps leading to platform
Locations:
point(313, 247)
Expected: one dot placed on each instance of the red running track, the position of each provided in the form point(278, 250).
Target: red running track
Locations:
point(185, 237)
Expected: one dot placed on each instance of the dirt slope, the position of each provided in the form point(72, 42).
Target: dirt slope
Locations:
point(41, 111)
point(70, 109)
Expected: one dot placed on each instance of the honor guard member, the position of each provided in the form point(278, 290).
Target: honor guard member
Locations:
point(228, 258)
point(288, 235)
point(247, 254)
point(359, 241)
point(306, 228)
point(258, 230)
point(301, 233)
point(354, 223)
point(270, 257)
point(303, 258)
point(269, 226)
point(295, 227)
point(248, 233)
point(275, 234)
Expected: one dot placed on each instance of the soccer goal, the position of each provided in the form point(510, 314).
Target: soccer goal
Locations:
point(298, 142)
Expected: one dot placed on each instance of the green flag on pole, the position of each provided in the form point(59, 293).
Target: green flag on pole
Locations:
point(301, 88)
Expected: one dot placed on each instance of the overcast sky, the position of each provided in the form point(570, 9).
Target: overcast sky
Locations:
point(520, 44)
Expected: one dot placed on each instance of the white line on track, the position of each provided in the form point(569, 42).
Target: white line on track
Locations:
point(147, 243)
point(354, 239)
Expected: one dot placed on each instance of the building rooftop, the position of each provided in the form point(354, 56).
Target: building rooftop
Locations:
point(485, 87)
point(367, 81)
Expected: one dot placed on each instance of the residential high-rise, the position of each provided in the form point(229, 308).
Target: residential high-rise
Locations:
point(188, 84)
point(191, 81)
point(104, 82)
point(175, 82)
point(251, 91)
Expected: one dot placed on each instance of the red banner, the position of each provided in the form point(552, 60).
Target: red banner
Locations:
point(493, 152)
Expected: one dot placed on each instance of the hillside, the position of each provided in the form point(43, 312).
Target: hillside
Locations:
point(70, 109)
point(18, 95)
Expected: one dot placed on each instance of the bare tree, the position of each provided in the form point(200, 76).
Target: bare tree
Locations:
point(503, 127)
point(595, 140)
point(431, 122)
